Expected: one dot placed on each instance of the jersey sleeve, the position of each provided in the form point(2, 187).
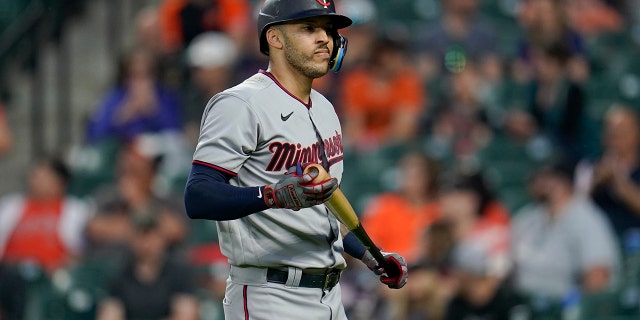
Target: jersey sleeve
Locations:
point(228, 133)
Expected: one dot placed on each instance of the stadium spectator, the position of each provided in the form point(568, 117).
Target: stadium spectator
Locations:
point(562, 241)
point(397, 220)
point(44, 225)
point(212, 58)
point(475, 222)
point(469, 204)
point(513, 154)
point(556, 101)
point(6, 138)
point(153, 284)
point(147, 36)
point(182, 20)
point(613, 179)
point(479, 220)
point(146, 29)
point(460, 125)
point(545, 26)
point(133, 195)
point(432, 285)
point(381, 100)
point(138, 103)
point(480, 294)
point(460, 36)
point(593, 17)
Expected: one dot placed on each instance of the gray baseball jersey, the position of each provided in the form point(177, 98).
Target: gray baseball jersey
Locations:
point(255, 131)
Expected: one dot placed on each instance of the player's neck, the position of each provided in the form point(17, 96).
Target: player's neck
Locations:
point(296, 83)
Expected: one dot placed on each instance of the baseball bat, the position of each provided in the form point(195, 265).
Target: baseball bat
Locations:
point(340, 207)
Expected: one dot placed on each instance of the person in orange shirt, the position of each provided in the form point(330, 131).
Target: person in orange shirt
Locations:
point(594, 17)
point(382, 99)
point(182, 20)
point(45, 225)
point(397, 220)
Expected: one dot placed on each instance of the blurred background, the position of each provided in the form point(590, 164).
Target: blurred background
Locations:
point(494, 144)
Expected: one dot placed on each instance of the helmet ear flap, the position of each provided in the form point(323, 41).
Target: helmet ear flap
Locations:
point(340, 43)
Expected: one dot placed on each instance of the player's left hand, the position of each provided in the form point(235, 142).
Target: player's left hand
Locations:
point(296, 191)
point(395, 266)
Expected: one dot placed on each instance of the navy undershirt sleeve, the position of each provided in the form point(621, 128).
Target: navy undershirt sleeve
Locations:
point(208, 195)
point(353, 246)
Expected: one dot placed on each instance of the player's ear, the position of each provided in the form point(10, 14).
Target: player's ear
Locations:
point(274, 37)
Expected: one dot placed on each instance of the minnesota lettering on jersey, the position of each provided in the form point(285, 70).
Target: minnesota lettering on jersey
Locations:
point(287, 154)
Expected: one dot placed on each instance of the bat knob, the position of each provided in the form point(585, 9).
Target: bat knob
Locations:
point(323, 175)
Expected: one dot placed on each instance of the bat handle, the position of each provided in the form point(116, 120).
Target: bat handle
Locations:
point(362, 235)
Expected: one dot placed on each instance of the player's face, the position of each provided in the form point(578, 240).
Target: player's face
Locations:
point(307, 46)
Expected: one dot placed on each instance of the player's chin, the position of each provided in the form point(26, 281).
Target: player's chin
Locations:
point(324, 65)
point(318, 70)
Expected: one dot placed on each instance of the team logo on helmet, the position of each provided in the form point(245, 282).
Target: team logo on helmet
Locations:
point(325, 3)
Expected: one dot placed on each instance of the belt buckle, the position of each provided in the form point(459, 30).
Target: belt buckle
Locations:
point(331, 278)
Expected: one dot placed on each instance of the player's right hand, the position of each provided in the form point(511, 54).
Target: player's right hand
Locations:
point(295, 190)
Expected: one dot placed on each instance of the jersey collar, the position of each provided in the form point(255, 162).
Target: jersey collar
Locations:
point(272, 77)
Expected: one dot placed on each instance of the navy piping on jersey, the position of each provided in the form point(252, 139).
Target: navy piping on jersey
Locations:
point(245, 300)
point(272, 77)
point(208, 195)
point(229, 172)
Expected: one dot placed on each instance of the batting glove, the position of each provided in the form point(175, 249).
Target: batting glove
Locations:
point(396, 266)
point(295, 190)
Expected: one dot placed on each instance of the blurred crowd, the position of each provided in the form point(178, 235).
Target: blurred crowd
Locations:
point(494, 144)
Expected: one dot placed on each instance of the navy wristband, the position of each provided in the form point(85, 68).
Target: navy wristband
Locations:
point(353, 246)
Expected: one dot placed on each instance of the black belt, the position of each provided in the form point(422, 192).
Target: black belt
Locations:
point(326, 280)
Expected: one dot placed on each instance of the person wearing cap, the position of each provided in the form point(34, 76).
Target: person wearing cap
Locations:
point(561, 241)
point(211, 58)
point(248, 174)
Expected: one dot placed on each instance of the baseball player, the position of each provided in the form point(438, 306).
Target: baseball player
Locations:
point(284, 246)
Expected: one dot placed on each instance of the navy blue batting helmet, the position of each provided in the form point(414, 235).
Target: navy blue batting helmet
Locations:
point(279, 11)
